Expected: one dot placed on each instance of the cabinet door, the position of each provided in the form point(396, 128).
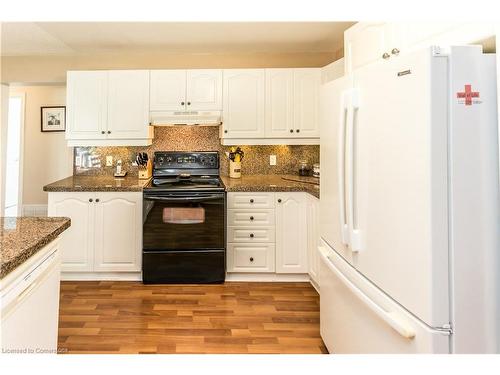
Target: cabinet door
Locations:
point(118, 228)
point(243, 103)
point(366, 42)
point(291, 233)
point(313, 237)
point(77, 242)
point(167, 90)
point(128, 104)
point(279, 103)
point(86, 103)
point(306, 86)
point(204, 90)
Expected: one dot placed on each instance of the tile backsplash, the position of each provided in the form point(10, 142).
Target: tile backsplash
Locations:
point(92, 160)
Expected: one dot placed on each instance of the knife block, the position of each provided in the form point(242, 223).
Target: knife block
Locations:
point(146, 172)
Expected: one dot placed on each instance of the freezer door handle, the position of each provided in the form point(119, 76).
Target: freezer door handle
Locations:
point(392, 318)
point(344, 116)
point(354, 232)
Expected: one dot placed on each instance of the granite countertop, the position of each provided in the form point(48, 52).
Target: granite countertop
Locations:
point(96, 183)
point(262, 182)
point(22, 237)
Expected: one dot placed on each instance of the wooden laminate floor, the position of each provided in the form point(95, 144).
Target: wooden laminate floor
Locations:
point(129, 317)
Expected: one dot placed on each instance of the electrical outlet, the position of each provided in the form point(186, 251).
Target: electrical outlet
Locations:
point(272, 159)
point(109, 161)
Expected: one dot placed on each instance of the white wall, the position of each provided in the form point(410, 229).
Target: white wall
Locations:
point(46, 158)
point(4, 116)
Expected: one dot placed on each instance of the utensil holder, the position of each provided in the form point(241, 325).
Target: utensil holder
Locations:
point(234, 169)
point(146, 172)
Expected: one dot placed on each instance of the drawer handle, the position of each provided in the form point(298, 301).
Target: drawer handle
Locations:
point(251, 200)
point(251, 235)
point(251, 217)
point(251, 259)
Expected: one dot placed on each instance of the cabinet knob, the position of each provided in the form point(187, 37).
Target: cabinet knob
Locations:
point(251, 259)
point(385, 56)
point(103, 132)
point(182, 103)
point(91, 200)
point(251, 235)
point(279, 200)
point(298, 130)
point(97, 200)
point(225, 131)
point(251, 217)
point(109, 131)
point(251, 200)
point(395, 51)
point(291, 130)
point(189, 103)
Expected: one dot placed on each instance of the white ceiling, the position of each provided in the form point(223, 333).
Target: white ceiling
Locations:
point(83, 38)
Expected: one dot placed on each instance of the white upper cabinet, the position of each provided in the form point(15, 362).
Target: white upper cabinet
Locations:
point(186, 90)
point(243, 103)
point(86, 104)
point(128, 104)
point(291, 233)
point(204, 90)
point(167, 90)
point(306, 87)
point(279, 103)
point(366, 42)
point(108, 108)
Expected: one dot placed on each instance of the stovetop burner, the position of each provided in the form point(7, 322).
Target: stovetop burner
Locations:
point(185, 171)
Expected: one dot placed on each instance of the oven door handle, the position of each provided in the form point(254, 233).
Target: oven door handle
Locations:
point(184, 199)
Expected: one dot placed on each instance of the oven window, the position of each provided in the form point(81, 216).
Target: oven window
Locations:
point(183, 215)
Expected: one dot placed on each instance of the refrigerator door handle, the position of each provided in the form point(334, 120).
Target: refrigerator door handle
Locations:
point(392, 318)
point(344, 117)
point(354, 232)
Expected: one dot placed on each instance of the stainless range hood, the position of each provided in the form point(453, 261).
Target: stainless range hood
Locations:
point(203, 118)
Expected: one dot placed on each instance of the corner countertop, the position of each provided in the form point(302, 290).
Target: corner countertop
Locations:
point(22, 237)
point(96, 183)
point(262, 182)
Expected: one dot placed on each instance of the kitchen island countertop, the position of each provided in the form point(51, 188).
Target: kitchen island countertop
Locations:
point(96, 183)
point(22, 237)
point(272, 183)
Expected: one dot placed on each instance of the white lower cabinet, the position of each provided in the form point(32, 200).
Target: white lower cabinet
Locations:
point(313, 255)
point(291, 233)
point(250, 257)
point(118, 228)
point(273, 233)
point(105, 233)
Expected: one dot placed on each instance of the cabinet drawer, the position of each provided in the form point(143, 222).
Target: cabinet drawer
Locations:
point(250, 200)
point(251, 235)
point(250, 217)
point(250, 258)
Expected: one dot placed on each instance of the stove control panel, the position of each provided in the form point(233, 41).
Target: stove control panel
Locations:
point(186, 160)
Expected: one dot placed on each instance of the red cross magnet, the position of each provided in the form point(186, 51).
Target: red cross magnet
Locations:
point(468, 94)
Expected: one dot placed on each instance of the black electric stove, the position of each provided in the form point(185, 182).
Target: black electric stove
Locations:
point(184, 220)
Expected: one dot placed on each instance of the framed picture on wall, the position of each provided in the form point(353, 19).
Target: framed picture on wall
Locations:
point(53, 119)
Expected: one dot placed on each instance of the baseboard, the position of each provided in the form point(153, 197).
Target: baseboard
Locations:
point(34, 210)
point(101, 276)
point(230, 277)
point(267, 277)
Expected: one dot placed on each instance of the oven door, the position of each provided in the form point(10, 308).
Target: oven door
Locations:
point(184, 238)
point(184, 221)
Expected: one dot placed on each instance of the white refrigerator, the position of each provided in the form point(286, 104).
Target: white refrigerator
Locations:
point(410, 205)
